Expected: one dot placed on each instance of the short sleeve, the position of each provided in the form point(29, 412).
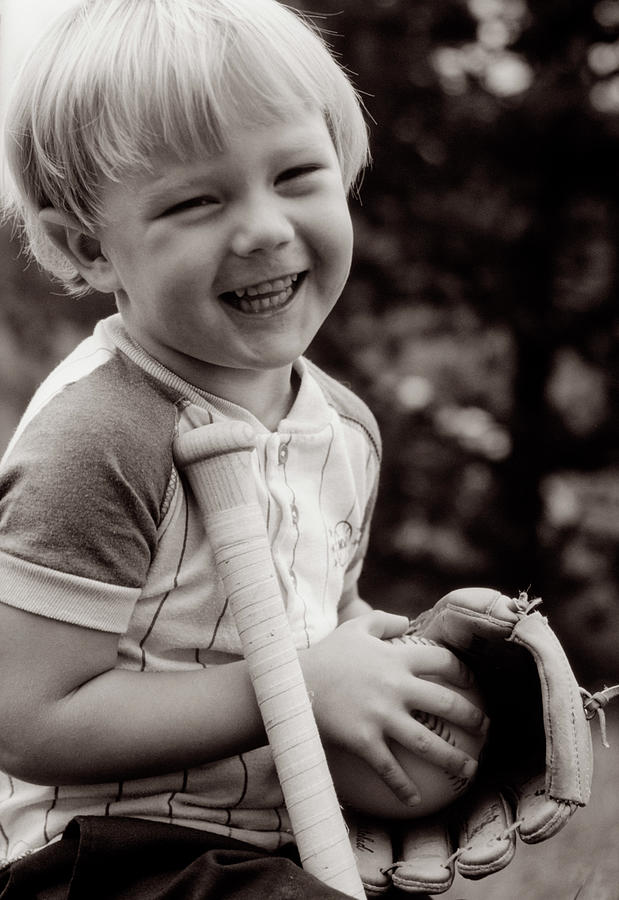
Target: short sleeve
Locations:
point(81, 494)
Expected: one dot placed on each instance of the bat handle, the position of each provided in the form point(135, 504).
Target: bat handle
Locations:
point(217, 460)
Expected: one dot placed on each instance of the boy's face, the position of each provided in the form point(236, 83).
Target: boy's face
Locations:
point(232, 262)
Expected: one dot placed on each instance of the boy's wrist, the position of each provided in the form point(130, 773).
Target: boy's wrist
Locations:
point(353, 607)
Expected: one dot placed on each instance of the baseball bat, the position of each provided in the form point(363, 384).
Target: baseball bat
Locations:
point(217, 460)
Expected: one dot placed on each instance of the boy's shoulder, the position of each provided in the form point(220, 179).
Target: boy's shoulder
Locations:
point(98, 388)
point(89, 476)
point(97, 405)
point(352, 410)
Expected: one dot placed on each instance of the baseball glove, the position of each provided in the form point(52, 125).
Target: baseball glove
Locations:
point(536, 767)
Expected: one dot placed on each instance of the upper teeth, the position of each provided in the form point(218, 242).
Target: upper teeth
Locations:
point(267, 287)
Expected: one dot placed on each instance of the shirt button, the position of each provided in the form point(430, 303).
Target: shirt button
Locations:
point(283, 454)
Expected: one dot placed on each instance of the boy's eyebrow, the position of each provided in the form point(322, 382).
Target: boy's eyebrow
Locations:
point(169, 184)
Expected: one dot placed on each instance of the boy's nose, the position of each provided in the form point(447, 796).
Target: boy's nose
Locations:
point(261, 226)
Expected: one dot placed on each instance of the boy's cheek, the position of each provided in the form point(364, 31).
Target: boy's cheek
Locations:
point(334, 227)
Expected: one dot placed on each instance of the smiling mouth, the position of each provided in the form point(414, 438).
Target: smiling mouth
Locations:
point(267, 296)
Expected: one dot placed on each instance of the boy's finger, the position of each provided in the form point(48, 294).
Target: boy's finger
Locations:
point(424, 743)
point(448, 704)
point(427, 659)
point(389, 770)
point(384, 625)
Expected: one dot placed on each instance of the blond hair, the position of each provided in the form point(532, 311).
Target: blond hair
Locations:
point(114, 81)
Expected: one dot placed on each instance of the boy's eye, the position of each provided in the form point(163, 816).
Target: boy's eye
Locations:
point(298, 172)
point(190, 203)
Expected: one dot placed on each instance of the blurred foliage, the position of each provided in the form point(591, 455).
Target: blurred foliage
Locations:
point(480, 321)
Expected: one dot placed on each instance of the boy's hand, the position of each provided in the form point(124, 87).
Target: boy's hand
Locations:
point(365, 689)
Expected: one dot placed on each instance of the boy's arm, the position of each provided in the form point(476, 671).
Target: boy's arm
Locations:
point(68, 716)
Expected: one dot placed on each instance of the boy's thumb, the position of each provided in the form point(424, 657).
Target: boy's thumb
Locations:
point(386, 625)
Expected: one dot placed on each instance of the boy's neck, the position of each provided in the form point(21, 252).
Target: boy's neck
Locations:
point(267, 395)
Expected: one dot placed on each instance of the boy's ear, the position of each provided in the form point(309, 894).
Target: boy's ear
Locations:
point(82, 249)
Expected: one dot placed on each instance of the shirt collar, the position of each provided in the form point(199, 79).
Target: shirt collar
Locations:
point(309, 413)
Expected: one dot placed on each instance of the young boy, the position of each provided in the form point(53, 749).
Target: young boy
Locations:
point(193, 158)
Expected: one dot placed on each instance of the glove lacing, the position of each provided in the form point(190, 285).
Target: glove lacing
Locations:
point(594, 705)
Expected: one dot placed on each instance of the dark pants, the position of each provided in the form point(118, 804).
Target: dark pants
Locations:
point(102, 858)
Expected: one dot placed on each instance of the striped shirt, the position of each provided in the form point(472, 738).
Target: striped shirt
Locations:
point(98, 529)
